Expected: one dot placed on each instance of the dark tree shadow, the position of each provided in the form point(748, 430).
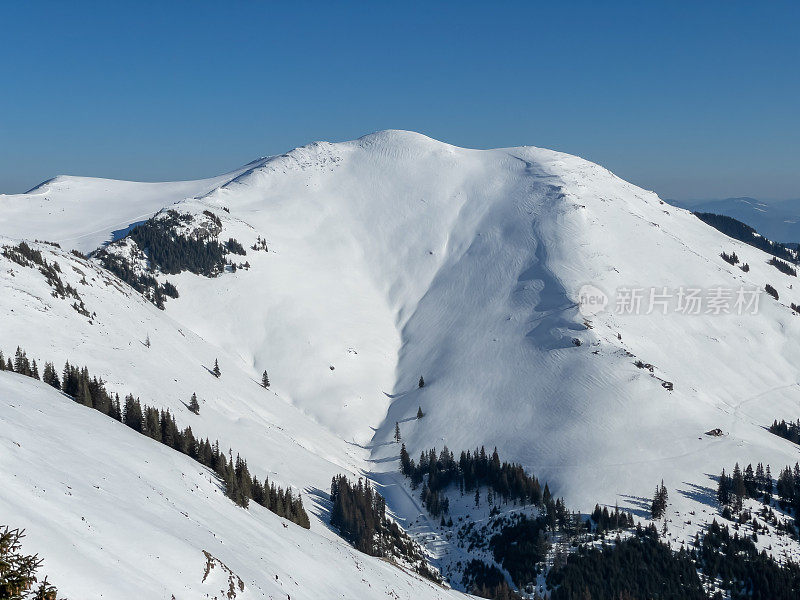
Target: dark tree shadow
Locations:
point(699, 493)
point(641, 505)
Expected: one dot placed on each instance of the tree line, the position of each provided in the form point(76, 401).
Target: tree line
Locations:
point(160, 425)
point(789, 431)
point(758, 484)
point(436, 472)
point(358, 512)
point(744, 233)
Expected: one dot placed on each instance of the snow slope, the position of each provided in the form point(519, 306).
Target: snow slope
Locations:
point(395, 256)
point(117, 515)
point(84, 212)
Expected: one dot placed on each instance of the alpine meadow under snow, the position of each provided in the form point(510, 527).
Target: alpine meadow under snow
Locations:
point(367, 265)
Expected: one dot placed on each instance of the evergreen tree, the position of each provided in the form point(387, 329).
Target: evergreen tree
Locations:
point(397, 432)
point(420, 414)
point(50, 377)
point(21, 363)
point(216, 371)
point(658, 507)
point(34, 370)
point(18, 571)
point(84, 395)
point(724, 489)
point(738, 488)
point(405, 461)
point(194, 405)
point(2, 361)
point(265, 380)
point(421, 382)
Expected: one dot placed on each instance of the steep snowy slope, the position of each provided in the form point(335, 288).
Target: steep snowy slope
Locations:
point(84, 212)
point(117, 515)
point(395, 256)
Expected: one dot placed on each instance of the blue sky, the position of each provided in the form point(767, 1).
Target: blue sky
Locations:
point(693, 100)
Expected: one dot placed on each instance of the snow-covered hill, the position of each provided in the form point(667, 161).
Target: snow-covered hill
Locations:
point(84, 212)
point(116, 515)
point(396, 256)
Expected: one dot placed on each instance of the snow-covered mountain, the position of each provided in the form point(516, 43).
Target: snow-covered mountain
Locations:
point(777, 220)
point(388, 258)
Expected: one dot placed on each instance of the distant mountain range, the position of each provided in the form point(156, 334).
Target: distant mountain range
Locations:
point(777, 220)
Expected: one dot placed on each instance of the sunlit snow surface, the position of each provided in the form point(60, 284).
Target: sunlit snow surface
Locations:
point(395, 256)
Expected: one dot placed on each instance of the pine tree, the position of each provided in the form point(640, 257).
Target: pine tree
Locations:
point(50, 377)
point(724, 489)
point(420, 414)
point(2, 361)
point(658, 507)
point(405, 461)
point(84, 395)
point(194, 405)
point(738, 488)
point(34, 370)
point(216, 371)
point(397, 432)
point(421, 382)
point(18, 571)
point(265, 380)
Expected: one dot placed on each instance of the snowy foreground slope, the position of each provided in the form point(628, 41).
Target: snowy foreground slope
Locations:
point(395, 256)
point(117, 515)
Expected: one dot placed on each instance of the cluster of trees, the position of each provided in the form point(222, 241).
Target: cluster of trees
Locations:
point(751, 483)
point(789, 431)
point(234, 247)
point(19, 571)
point(160, 425)
point(520, 546)
point(782, 266)
point(788, 490)
point(737, 566)
point(643, 567)
point(20, 364)
point(260, 244)
point(771, 291)
point(172, 253)
point(487, 581)
point(25, 256)
point(758, 484)
point(605, 520)
point(637, 567)
point(730, 258)
point(508, 481)
point(359, 514)
point(744, 233)
point(658, 507)
point(143, 282)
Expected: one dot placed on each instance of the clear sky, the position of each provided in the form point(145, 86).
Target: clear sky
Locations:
point(693, 100)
